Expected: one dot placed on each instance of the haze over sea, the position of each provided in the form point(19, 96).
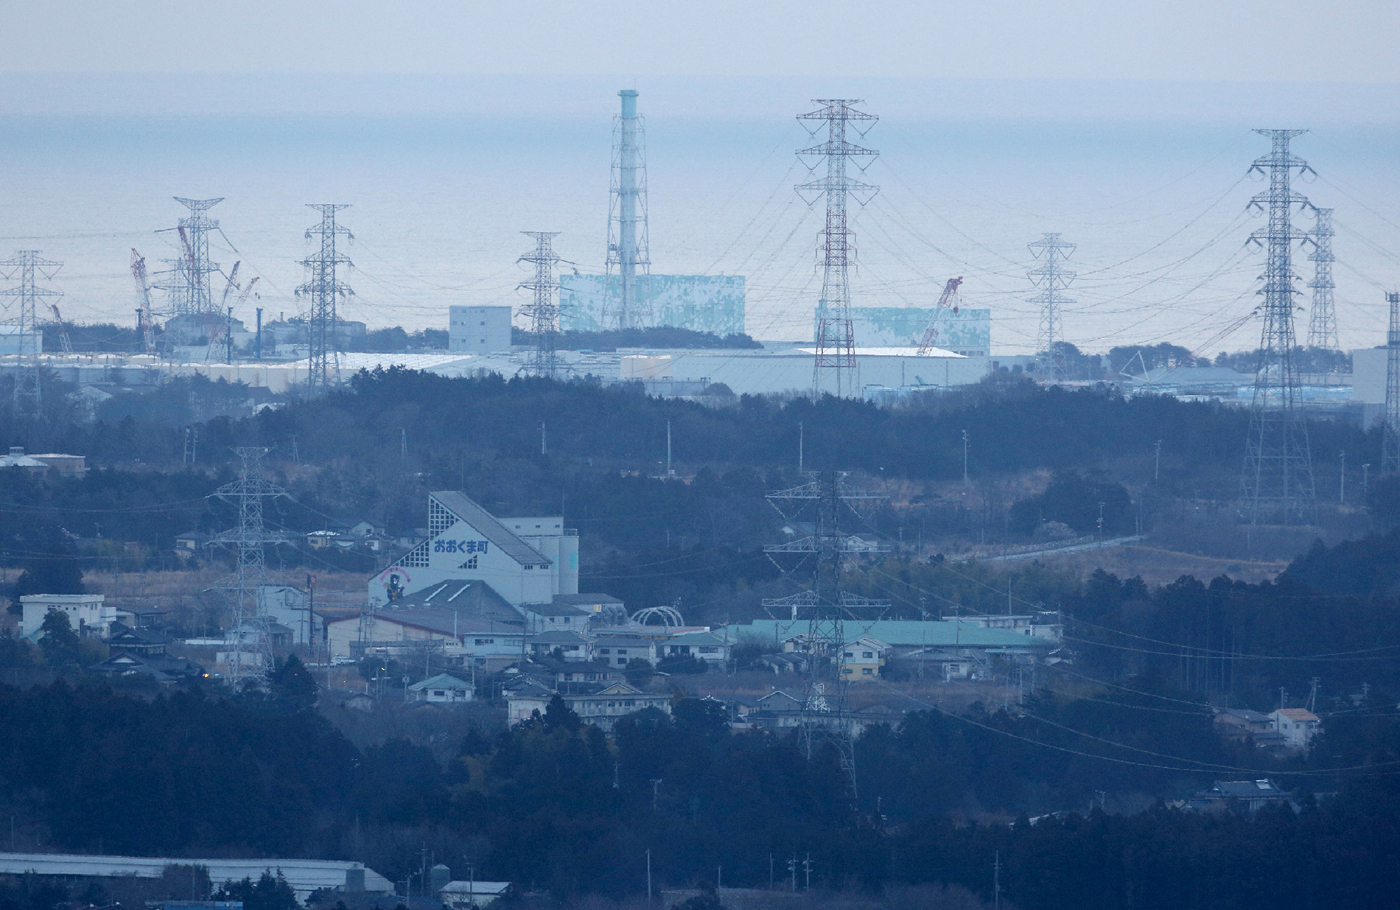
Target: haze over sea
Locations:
point(1149, 179)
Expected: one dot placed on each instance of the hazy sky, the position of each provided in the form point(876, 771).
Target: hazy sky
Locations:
point(1282, 40)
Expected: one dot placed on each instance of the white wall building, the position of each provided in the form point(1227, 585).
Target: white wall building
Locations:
point(1298, 726)
point(478, 329)
point(468, 543)
point(87, 613)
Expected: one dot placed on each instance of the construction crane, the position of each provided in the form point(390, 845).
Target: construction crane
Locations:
point(64, 341)
point(143, 312)
point(931, 333)
point(232, 283)
point(248, 290)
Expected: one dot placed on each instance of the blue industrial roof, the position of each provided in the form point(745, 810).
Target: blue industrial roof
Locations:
point(947, 633)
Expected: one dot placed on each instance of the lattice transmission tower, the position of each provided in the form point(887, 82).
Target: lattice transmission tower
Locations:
point(542, 311)
point(627, 285)
point(834, 367)
point(1278, 476)
point(28, 268)
point(830, 614)
point(1390, 443)
point(249, 646)
point(1052, 279)
point(187, 282)
point(323, 288)
point(1322, 320)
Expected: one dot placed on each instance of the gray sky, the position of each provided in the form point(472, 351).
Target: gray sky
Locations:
point(1207, 40)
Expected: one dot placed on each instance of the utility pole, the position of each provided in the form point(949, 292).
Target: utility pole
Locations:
point(801, 446)
point(542, 312)
point(834, 367)
point(1322, 321)
point(1278, 475)
point(1157, 462)
point(1342, 485)
point(648, 875)
point(1390, 444)
point(324, 289)
point(966, 482)
point(26, 265)
point(544, 446)
point(244, 587)
point(996, 880)
point(1051, 279)
point(629, 249)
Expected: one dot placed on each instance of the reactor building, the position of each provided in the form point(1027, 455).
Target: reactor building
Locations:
point(628, 295)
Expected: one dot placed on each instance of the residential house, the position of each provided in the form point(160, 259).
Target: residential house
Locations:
point(863, 658)
point(1241, 723)
point(566, 645)
point(134, 617)
point(143, 642)
point(1251, 794)
point(617, 652)
point(468, 894)
point(190, 543)
point(443, 688)
point(941, 662)
point(571, 675)
point(523, 700)
point(556, 617)
point(603, 708)
point(164, 669)
point(710, 647)
point(1298, 726)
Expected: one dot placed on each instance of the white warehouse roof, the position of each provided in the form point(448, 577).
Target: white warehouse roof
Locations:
point(304, 875)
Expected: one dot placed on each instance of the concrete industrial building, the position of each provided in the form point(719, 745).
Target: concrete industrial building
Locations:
point(524, 560)
point(304, 875)
point(702, 303)
point(88, 614)
point(967, 332)
point(478, 329)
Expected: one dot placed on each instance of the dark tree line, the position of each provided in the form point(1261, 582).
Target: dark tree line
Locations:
point(557, 805)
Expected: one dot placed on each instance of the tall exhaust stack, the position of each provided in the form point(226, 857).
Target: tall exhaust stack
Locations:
point(628, 251)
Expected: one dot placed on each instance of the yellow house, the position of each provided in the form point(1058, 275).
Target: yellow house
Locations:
point(863, 658)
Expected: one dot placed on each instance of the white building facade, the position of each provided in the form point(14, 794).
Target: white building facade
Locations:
point(527, 566)
point(478, 329)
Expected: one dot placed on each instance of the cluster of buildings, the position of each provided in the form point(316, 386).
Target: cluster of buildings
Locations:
point(1285, 729)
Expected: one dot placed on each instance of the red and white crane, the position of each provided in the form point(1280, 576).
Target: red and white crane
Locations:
point(144, 322)
point(64, 341)
point(930, 340)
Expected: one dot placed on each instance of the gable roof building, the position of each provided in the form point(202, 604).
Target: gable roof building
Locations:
point(530, 561)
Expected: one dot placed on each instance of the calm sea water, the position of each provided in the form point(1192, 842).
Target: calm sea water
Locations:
point(1158, 211)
